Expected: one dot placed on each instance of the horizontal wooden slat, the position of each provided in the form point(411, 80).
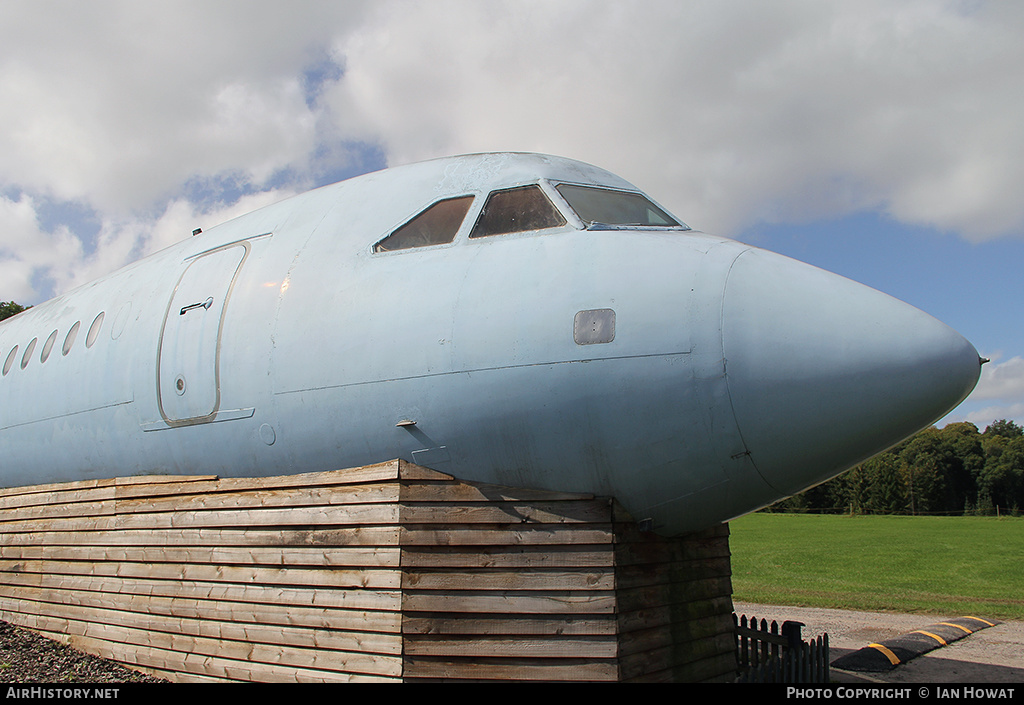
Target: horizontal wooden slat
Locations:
point(527, 624)
point(576, 512)
point(662, 614)
point(173, 661)
point(508, 557)
point(541, 580)
point(379, 557)
point(259, 536)
point(251, 652)
point(496, 535)
point(356, 598)
point(383, 621)
point(449, 491)
point(169, 485)
point(337, 638)
point(510, 669)
point(86, 485)
point(521, 646)
point(497, 602)
point(381, 578)
point(669, 572)
point(411, 472)
point(356, 514)
point(210, 501)
point(643, 641)
point(673, 658)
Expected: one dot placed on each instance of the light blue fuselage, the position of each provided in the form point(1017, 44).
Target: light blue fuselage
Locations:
point(723, 378)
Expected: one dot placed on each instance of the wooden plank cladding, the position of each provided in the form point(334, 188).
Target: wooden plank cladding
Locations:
point(199, 578)
point(386, 572)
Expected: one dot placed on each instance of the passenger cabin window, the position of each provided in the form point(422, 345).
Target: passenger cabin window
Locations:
point(10, 360)
point(28, 353)
point(602, 208)
point(69, 340)
point(437, 225)
point(94, 330)
point(47, 347)
point(516, 210)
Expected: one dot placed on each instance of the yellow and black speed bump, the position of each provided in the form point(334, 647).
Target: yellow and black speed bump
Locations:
point(892, 652)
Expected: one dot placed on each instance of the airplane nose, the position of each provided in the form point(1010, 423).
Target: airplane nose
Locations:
point(823, 372)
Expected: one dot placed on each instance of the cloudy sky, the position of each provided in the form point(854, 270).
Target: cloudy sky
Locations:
point(883, 140)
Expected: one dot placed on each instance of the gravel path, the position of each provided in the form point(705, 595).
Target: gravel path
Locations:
point(26, 657)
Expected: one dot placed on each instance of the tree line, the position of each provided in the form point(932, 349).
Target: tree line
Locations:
point(953, 470)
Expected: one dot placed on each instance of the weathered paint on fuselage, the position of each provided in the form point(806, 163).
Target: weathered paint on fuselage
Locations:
point(734, 377)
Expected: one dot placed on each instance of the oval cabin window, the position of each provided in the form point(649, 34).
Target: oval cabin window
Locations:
point(10, 360)
point(69, 341)
point(28, 353)
point(47, 347)
point(94, 330)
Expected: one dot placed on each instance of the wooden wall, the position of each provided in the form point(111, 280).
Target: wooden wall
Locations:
point(386, 572)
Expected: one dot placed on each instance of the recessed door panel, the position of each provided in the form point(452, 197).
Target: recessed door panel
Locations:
point(189, 374)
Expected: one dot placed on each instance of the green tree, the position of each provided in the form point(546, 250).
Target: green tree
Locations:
point(923, 465)
point(1004, 428)
point(9, 308)
point(966, 461)
point(886, 488)
point(941, 467)
point(848, 492)
point(1001, 480)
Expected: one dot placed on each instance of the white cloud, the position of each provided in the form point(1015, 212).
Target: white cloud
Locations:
point(729, 112)
point(1003, 380)
point(998, 395)
point(28, 255)
point(34, 261)
point(990, 414)
point(118, 103)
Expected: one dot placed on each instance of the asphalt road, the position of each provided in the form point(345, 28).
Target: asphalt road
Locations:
point(991, 655)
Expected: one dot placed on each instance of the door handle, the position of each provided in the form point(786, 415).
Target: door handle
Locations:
point(203, 304)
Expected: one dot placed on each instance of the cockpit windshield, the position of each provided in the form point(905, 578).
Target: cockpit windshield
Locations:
point(516, 210)
point(436, 225)
point(527, 209)
point(603, 208)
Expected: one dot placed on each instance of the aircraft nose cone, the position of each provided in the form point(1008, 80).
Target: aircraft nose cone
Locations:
point(824, 372)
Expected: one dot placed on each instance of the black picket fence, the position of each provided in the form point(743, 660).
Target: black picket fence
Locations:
point(766, 654)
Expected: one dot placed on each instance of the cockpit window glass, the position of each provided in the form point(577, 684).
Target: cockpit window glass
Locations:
point(516, 210)
point(437, 225)
point(604, 208)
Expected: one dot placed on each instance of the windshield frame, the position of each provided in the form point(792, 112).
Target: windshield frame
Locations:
point(679, 225)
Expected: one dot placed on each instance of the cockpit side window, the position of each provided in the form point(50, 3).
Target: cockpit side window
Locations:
point(437, 225)
point(516, 210)
point(607, 208)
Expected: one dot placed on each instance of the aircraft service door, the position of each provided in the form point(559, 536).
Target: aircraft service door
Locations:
point(188, 371)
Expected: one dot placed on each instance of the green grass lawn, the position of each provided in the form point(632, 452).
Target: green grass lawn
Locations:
point(947, 565)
